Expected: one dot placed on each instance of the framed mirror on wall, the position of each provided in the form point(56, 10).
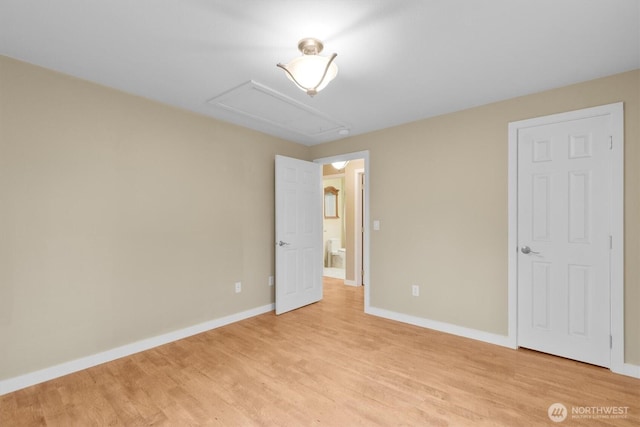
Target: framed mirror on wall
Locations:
point(331, 202)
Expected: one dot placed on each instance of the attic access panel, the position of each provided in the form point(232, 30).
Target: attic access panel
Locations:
point(258, 102)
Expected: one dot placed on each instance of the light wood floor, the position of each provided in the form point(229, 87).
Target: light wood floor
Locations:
point(325, 364)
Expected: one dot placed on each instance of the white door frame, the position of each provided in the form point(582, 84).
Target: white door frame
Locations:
point(617, 225)
point(358, 226)
point(367, 232)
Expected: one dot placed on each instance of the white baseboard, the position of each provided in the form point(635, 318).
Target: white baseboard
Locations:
point(350, 283)
point(630, 370)
point(32, 378)
point(501, 340)
point(16, 383)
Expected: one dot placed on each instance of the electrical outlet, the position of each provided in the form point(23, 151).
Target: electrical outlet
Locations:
point(415, 290)
point(270, 280)
point(238, 287)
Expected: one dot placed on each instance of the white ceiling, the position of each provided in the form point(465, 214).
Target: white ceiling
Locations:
point(399, 60)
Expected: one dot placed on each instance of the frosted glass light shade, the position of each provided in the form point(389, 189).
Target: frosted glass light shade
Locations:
point(340, 165)
point(307, 71)
point(311, 72)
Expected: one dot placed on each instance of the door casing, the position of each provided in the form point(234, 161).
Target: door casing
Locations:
point(616, 111)
point(359, 226)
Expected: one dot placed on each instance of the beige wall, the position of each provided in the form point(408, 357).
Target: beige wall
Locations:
point(439, 188)
point(122, 219)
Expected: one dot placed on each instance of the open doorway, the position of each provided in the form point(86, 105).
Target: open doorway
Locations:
point(334, 221)
point(343, 221)
point(345, 229)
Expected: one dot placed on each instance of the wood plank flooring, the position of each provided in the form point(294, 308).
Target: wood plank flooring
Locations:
point(325, 364)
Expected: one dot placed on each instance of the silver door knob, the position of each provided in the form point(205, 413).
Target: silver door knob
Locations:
point(527, 250)
point(281, 243)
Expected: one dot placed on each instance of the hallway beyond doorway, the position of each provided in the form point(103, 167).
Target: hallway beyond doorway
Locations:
point(335, 273)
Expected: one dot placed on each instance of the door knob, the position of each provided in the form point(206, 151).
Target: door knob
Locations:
point(281, 243)
point(527, 250)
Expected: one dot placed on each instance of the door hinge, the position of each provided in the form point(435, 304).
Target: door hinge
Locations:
point(610, 142)
point(610, 242)
point(610, 341)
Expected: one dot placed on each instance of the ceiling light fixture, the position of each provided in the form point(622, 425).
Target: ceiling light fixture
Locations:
point(311, 72)
point(340, 165)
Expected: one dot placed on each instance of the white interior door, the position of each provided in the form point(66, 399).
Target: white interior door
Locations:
point(299, 256)
point(564, 209)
